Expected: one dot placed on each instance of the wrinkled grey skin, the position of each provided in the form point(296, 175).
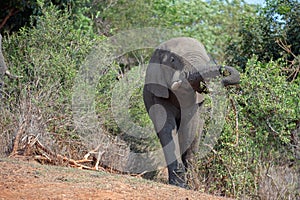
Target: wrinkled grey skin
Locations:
point(173, 99)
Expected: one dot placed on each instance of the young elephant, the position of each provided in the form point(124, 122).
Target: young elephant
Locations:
point(3, 67)
point(172, 96)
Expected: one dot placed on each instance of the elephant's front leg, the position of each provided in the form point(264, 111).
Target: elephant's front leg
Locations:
point(163, 117)
point(169, 141)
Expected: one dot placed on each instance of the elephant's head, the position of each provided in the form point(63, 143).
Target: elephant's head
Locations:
point(181, 61)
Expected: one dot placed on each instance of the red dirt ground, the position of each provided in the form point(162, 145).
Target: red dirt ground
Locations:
point(21, 179)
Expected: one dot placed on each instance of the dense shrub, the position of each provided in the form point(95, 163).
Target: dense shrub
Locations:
point(261, 35)
point(15, 14)
point(212, 23)
point(46, 57)
point(258, 136)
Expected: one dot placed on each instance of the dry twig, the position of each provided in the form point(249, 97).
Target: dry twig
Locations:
point(46, 155)
point(20, 131)
point(11, 13)
point(295, 63)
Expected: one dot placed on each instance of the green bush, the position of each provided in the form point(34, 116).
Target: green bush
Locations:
point(258, 134)
point(211, 22)
point(261, 35)
point(47, 57)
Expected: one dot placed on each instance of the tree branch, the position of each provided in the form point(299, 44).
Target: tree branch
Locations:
point(12, 12)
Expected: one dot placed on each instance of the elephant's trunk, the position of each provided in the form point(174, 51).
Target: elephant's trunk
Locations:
point(213, 72)
point(233, 78)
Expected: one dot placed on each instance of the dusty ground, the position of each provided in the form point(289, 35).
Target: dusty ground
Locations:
point(21, 179)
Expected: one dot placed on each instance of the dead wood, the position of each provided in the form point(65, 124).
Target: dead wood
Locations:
point(45, 155)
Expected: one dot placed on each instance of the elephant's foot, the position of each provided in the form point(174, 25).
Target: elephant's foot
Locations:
point(179, 184)
point(182, 185)
point(178, 178)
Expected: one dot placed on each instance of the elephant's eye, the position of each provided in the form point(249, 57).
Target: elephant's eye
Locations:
point(172, 59)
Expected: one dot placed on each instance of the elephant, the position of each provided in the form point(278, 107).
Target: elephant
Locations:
point(3, 68)
point(173, 97)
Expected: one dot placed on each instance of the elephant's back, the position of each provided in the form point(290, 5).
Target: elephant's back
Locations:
point(187, 48)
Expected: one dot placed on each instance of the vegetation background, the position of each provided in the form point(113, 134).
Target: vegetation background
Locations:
point(258, 153)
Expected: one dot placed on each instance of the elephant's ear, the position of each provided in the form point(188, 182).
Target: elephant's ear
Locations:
point(156, 81)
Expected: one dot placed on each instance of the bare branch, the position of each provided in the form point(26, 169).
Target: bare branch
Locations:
point(20, 131)
point(295, 63)
point(12, 12)
point(272, 129)
point(285, 47)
